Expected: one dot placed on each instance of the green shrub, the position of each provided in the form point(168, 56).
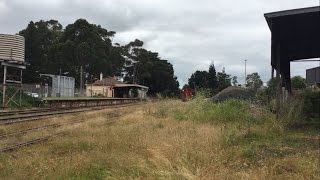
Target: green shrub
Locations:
point(311, 105)
point(301, 109)
point(201, 109)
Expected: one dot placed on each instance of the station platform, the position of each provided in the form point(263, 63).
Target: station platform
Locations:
point(86, 102)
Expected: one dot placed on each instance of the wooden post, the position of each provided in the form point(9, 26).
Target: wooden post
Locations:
point(279, 82)
point(81, 80)
point(20, 87)
point(4, 86)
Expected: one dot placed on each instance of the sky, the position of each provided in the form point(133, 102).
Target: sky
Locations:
point(190, 34)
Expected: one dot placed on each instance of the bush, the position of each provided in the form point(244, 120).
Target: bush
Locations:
point(301, 109)
point(204, 110)
point(311, 104)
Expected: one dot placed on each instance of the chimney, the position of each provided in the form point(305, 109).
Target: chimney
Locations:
point(101, 76)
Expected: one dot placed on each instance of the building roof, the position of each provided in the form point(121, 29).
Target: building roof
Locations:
point(292, 12)
point(108, 81)
point(297, 31)
point(294, 36)
point(131, 85)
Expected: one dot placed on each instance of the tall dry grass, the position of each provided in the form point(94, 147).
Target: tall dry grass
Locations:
point(170, 140)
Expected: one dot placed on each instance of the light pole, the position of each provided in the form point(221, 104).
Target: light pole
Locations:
point(245, 72)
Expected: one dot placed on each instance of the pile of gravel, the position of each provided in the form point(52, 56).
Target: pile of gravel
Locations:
point(233, 92)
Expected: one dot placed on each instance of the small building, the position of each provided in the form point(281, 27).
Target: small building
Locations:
point(313, 76)
point(130, 91)
point(102, 87)
point(61, 86)
point(111, 87)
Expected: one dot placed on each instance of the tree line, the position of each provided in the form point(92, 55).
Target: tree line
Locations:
point(213, 82)
point(52, 49)
point(210, 80)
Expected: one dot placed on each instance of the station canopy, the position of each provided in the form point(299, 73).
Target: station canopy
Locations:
point(295, 35)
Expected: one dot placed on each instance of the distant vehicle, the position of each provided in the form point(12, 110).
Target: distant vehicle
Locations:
point(186, 93)
point(35, 95)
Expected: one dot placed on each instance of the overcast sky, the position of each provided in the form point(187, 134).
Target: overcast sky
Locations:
point(189, 33)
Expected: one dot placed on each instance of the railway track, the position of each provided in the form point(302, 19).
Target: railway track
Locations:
point(13, 112)
point(41, 139)
point(24, 131)
point(39, 114)
point(23, 144)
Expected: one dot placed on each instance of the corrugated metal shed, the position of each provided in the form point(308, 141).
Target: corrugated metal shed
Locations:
point(313, 76)
point(62, 86)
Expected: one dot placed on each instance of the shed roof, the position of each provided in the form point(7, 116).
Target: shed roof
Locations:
point(292, 12)
point(298, 32)
point(131, 85)
point(108, 81)
point(295, 35)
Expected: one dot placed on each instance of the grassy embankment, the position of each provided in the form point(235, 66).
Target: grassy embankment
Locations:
point(172, 140)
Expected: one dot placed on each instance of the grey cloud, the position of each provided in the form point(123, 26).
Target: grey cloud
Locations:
point(190, 34)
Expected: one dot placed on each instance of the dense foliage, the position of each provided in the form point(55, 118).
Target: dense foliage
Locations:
point(210, 80)
point(254, 81)
point(298, 82)
point(146, 67)
point(51, 49)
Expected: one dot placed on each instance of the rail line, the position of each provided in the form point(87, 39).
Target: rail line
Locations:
point(23, 144)
point(6, 135)
point(47, 113)
point(41, 139)
point(30, 111)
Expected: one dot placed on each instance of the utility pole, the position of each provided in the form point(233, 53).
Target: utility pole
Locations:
point(81, 80)
point(91, 84)
point(245, 72)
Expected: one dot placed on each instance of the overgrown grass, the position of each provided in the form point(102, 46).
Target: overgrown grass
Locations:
point(171, 140)
point(251, 135)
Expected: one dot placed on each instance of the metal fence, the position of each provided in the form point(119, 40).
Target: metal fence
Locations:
point(47, 91)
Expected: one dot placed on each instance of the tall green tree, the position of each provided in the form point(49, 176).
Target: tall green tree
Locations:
point(212, 78)
point(147, 68)
point(272, 87)
point(234, 80)
point(40, 37)
point(199, 80)
point(298, 82)
point(134, 55)
point(224, 80)
point(52, 49)
point(90, 46)
point(254, 81)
